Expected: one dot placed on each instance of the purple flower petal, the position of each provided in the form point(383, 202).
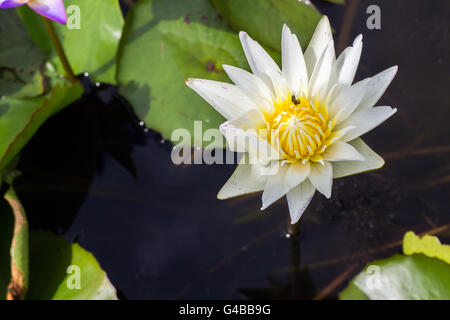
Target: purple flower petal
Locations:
point(51, 9)
point(6, 4)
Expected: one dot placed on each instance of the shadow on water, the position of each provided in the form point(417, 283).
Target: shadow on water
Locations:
point(159, 231)
point(59, 164)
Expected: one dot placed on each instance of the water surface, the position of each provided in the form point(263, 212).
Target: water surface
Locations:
point(94, 175)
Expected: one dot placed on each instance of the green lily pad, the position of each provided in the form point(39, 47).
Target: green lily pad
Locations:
point(6, 234)
point(403, 277)
point(63, 271)
point(45, 266)
point(19, 249)
point(428, 245)
point(16, 84)
point(21, 118)
point(21, 61)
point(91, 48)
point(264, 19)
point(165, 42)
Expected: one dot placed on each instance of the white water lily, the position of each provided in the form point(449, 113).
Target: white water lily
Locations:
point(311, 113)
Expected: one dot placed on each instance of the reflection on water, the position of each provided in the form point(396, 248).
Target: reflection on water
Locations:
point(158, 230)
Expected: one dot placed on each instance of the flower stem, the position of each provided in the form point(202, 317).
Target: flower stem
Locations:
point(293, 229)
point(60, 50)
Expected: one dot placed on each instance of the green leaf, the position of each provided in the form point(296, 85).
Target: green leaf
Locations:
point(54, 265)
point(41, 262)
point(263, 20)
point(405, 277)
point(21, 61)
point(352, 292)
point(428, 245)
point(164, 43)
point(18, 84)
point(19, 249)
point(6, 234)
point(91, 48)
point(21, 118)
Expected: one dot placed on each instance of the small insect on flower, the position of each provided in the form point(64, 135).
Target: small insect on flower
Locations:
point(299, 127)
point(51, 9)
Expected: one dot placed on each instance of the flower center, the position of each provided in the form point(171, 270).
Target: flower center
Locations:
point(299, 128)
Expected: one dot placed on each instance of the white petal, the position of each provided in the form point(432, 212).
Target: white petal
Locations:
point(252, 140)
point(279, 85)
point(319, 42)
point(299, 198)
point(297, 173)
point(293, 63)
point(226, 98)
point(245, 179)
point(258, 59)
point(288, 177)
point(338, 134)
point(275, 187)
point(252, 86)
point(364, 121)
point(342, 151)
point(318, 83)
point(261, 63)
point(253, 119)
point(344, 68)
point(321, 177)
point(372, 161)
point(377, 87)
point(346, 100)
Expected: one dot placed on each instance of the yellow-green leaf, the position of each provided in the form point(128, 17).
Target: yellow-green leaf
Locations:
point(403, 277)
point(428, 245)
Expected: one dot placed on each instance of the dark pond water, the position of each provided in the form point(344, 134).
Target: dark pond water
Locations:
point(93, 174)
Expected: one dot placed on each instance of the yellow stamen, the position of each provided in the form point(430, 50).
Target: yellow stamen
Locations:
point(300, 129)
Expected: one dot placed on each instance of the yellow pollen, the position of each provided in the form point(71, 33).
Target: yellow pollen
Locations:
point(300, 129)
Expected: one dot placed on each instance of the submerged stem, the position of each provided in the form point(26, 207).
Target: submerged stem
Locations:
point(60, 50)
point(293, 231)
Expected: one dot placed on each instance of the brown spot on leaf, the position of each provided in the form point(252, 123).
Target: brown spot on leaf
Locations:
point(16, 288)
point(211, 66)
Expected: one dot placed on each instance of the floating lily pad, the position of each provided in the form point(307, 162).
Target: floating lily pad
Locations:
point(90, 48)
point(264, 19)
point(21, 61)
point(402, 277)
point(21, 118)
point(18, 285)
point(55, 266)
point(428, 245)
point(164, 43)
point(40, 265)
point(6, 234)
